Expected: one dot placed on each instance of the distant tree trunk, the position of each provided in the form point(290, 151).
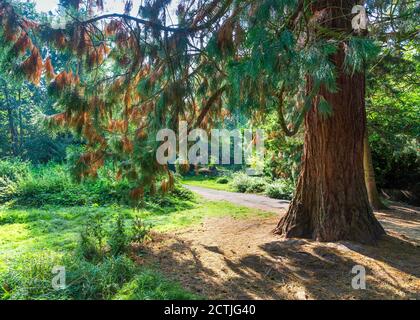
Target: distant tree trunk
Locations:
point(373, 195)
point(13, 132)
point(14, 139)
point(21, 133)
point(331, 201)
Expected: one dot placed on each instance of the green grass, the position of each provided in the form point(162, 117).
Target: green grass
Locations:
point(203, 209)
point(115, 277)
point(43, 213)
point(151, 285)
point(58, 228)
point(29, 235)
point(206, 182)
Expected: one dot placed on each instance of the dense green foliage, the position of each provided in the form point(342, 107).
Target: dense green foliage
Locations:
point(22, 108)
point(241, 182)
point(53, 184)
point(222, 180)
point(393, 108)
point(98, 268)
point(237, 63)
point(124, 79)
point(278, 188)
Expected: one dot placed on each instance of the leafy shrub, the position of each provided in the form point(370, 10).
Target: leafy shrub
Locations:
point(7, 189)
point(30, 277)
point(280, 189)
point(92, 238)
point(98, 240)
point(10, 173)
point(53, 184)
point(140, 231)
point(241, 182)
point(257, 185)
point(12, 170)
point(222, 180)
point(118, 237)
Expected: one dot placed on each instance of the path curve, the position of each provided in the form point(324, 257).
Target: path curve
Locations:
point(399, 218)
point(244, 199)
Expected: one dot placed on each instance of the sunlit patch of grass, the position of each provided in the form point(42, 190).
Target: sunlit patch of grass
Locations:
point(151, 285)
point(13, 239)
point(186, 218)
point(206, 182)
point(26, 234)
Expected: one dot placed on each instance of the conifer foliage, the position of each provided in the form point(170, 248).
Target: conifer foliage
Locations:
point(129, 77)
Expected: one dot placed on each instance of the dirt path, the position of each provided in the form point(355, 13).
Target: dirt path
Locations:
point(224, 258)
point(398, 221)
point(243, 199)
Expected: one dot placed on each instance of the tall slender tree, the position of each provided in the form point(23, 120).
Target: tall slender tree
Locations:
point(370, 181)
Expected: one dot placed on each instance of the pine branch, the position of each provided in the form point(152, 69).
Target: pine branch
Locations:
point(208, 105)
point(161, 27)
point(282, 120)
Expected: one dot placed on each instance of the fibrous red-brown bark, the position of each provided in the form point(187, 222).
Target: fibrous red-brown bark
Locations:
point(331, 202)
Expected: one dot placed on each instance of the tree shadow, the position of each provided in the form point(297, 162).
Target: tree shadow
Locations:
point(396, 252)
point(326, 271)
point(401, 220)
point(286, 269)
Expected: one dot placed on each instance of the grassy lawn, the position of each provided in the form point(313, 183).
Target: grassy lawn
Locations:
point(40, 237)
point(206, 182)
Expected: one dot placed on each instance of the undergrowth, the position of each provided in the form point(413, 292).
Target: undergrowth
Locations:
point(24, 184)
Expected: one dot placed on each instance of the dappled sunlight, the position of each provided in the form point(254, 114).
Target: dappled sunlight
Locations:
point(402, 221)
point(241, 259)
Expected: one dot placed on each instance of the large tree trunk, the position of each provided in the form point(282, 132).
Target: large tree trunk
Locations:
point(372, 191)
point(331, 202)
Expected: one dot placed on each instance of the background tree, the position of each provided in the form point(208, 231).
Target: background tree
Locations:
point(393, 96)
point(22, 105)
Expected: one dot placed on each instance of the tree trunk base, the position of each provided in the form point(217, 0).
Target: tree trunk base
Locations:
point(301, 222)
